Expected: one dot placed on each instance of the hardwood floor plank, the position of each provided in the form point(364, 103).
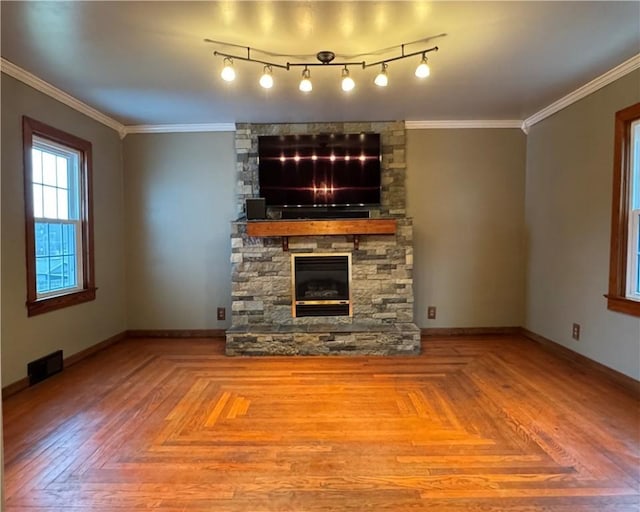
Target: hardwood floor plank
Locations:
point(474, 424)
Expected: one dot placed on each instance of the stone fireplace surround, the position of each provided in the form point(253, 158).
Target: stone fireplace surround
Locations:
point(382, 283)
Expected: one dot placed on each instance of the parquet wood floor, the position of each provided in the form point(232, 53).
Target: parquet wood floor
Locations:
point(483, 424)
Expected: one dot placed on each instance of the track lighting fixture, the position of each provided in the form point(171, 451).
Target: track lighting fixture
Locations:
point(423, 70)
point(228, 73)
point(347, 82)
point(266, 80)
point(324, 59)
point(305, 83)
point(382, 79)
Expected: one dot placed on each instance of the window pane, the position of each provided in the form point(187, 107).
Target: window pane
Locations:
point(67, 243)
point(69, 276)
point(36, 162)
point(73, 271)
point(42, 239)
point(55, 239)
point(638, 275)
point(56, 268)
point(50, 199)
point(63, 204)
point(637, 291)
point(56, 264)
point(74, 189)
point(633, 267)
point(62, 171)
point(42, 275)
point(635, 166)
point(48, 169)
point(37, 201)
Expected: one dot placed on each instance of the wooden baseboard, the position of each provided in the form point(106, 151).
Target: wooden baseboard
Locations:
point(83, 354)
point(15, 387)
point(21, 384)
point(622, 380)
point(176, 333)
point(469, 331)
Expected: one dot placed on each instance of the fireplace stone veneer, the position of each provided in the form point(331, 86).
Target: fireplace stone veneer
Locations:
point(381, 291)
point(381, 261)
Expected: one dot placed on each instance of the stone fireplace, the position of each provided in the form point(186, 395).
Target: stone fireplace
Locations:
point(289, 294)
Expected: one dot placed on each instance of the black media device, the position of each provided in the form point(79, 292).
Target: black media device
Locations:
point(255, 208)
point(320, 171)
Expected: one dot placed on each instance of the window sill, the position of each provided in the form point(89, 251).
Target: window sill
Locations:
point(40, 306)
point(623, 305)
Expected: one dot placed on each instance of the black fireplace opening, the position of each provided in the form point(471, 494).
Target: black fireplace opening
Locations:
point(321, 285)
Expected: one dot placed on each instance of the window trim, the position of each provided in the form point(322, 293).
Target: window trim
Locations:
point(617, 299)
point(35, 305)
point(632, 252)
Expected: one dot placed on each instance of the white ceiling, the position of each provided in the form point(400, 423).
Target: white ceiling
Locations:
point(147, 62)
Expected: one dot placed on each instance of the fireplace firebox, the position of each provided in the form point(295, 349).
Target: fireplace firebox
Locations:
point(321, 284)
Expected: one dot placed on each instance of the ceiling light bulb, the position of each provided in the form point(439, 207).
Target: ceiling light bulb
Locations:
point(347, 82)
point(266, 80)
point(423, 71)
point(382, 79)
point(305, 83)
point(228, 73)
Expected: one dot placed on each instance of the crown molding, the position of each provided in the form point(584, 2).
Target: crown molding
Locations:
point(594, 85)
point(40, 85)
point(459, 124)
point(180, 128)
point(598, 83)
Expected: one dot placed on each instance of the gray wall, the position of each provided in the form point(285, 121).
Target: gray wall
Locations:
point(180, 201)
point(480, 256)
point(568, 215)
point(466, 196)
point(78, 327)
point(1, 421)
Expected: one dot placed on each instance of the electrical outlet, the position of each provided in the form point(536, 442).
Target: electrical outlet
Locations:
point(575, 332)
point(431, 312)
point(222, 313)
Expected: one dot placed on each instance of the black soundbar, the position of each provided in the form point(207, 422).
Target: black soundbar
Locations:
point(323, 213)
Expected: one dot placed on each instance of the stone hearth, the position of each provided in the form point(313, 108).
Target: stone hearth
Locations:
point(324, 339)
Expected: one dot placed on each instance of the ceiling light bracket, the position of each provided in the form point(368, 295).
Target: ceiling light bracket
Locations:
point(248, 58)
point(403, 56)
point(341, 64)
point(325, 58)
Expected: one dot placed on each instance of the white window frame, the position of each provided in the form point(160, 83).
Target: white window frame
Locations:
point(633, 236)
point(73, 180)
point(633, 269)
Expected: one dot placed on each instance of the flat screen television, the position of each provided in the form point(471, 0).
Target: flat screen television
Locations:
point(319, 170)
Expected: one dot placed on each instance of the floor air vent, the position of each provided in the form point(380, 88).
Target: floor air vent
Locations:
point(44, 367)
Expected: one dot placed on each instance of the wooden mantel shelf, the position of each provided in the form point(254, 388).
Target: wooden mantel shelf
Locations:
point(287, 228)
point(266, 228)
